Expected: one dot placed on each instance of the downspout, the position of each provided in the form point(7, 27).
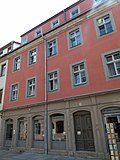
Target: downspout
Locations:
point(64, 13)
point(46, 96)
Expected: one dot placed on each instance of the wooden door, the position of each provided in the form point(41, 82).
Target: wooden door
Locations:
point(83, 131)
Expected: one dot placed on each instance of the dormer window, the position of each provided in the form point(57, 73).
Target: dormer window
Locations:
point(75, 12)
point(55, 23)
point(38, 33)
point(9, 49)
point(24, 40)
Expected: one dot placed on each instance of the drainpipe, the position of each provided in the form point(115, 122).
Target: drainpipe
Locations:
point(46, 99)
point(64, 13)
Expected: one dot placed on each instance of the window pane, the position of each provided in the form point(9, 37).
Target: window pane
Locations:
point(109, 27)
point(117, 56)
point(111, 69)
point(118, 67)
point(102, 30)
point(109, 58)
point(77, 78)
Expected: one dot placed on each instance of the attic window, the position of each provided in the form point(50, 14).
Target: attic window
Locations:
point(38, 33)
point(24, 40)
point(55, 23)
point(75, 12)
point(9, 49)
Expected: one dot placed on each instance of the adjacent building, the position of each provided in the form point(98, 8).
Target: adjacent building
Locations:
point(62, 90)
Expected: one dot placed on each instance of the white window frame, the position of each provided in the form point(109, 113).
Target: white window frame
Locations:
point(24, 40)
point(75, 12)
point(75, 39)
point(52, 48)
point(53, 81)
point(31, 87)
point(32, 56)
point(14, 92)
point(98, 24)
point(79, 73)
point(55, 23)
point(38, 32)
point(16, 64)
point(112, 62)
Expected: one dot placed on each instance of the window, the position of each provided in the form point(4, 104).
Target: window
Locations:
point(38, 125)
point(3, 69)
point(33, 56)
point(57, 124)
point(9, 49)
point(113, 64)
point(1, 53)
point(9, 129)
point(31, 87)
point(75, 38)
point(17, 63)
point(22, 129)
point(55, 23)
point(74, 12)
point(14, 92)
point(1, 92)
point(105, 24)
point(53, 81)
point(38, 33)
point(79, 74)
point(52, 48)
point(23, 40)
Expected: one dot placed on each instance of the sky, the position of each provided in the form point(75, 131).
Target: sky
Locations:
point(19, 16)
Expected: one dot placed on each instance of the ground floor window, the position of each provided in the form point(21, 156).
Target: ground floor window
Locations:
point(9, 129)
point(58, 128)
point(22, 129)
point(38, 128)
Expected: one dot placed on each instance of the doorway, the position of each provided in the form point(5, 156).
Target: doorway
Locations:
point(83, 131)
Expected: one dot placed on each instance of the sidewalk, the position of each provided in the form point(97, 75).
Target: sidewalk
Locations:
point(12, 155)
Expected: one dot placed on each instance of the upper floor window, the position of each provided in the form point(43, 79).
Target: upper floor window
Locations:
point(105, 24)
point(14, 92)
point(75, 12)
point(113, 64)
point(55, 23)
point(52, 48)
point(53, 81)
point(1, 53)
point(23, 40)
point(17, 63)
point(3, 69)
point(75, 37)
point(10, 49)
point(38, 33)
point(33, 56)
point(79, 74)
point(31, 87)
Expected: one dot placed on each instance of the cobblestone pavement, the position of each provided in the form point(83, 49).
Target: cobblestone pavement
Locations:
point(12, 155)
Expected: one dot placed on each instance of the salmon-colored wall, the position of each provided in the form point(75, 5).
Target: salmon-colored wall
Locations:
point(91, 51)
point(22, 75)
point(47, 26)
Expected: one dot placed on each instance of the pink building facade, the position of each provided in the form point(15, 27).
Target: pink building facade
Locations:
point(63, 84)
